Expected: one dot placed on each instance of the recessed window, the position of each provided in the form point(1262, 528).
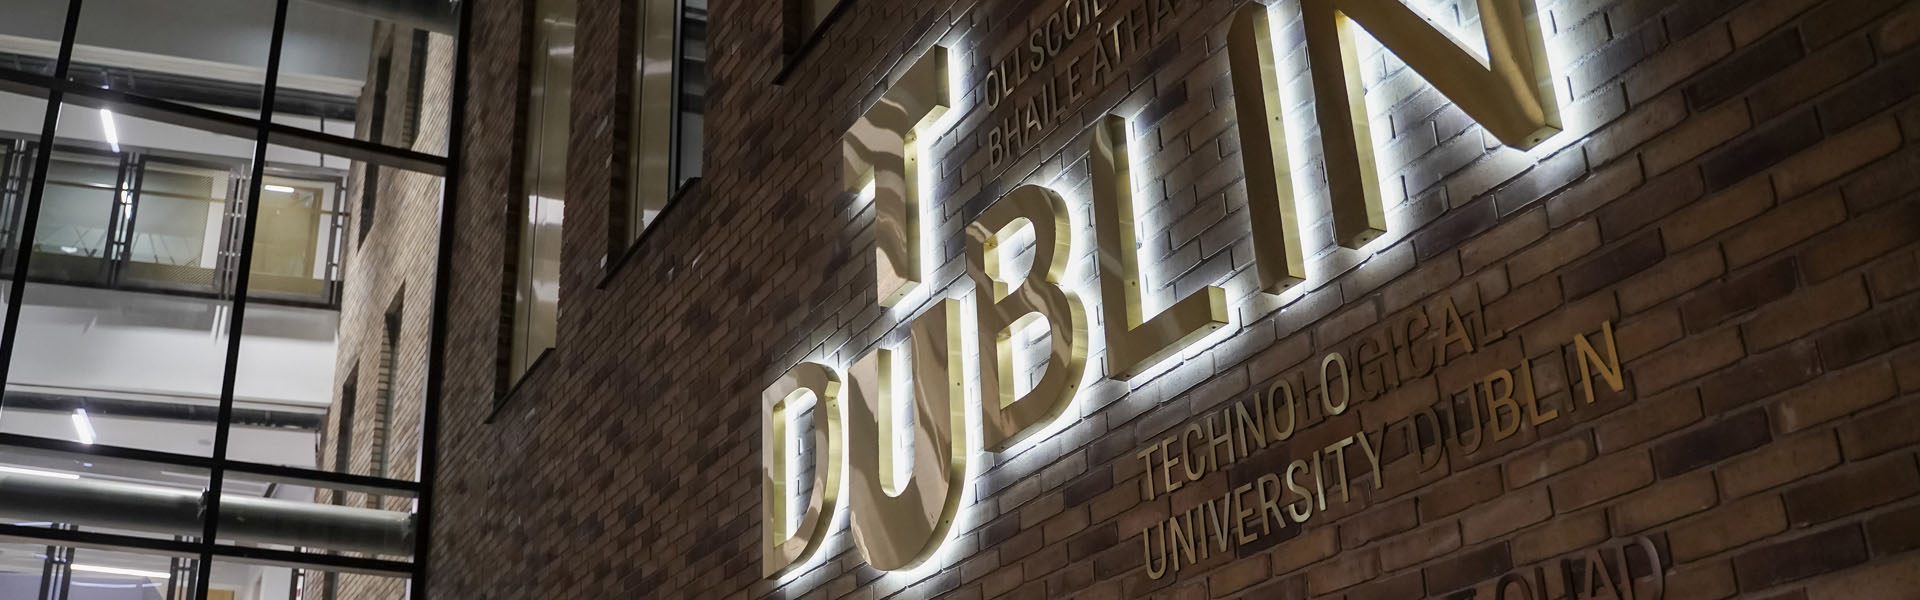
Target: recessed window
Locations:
point(670, 97)
point(536, 292)
point(804, 19)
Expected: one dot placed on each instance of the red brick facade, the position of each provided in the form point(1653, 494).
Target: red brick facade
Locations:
point(1734, 199)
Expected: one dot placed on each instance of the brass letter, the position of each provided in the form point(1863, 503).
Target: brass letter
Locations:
point(1133, 341)
point(1277, 257)
point(1587, 356)
point(1326, 388)
point(1510, 93)
point(1499, 401)
point(783, 549)
point(1146, 544)
point(899, 524)
point(881, 149)
point(1004, 311)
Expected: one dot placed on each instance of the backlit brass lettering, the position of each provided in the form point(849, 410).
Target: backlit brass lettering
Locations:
point(1277, 256)
point(898, 525)
point(882, 149)
point(1005, 310)
point(1510, 93)
point(1135, 342)
point(784, 549)
point(900, 517)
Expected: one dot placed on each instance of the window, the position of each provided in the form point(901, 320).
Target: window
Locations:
point(536, 281)
point(189, 323)
point(386, 379)
point(376, 129)
point(670, 96)
point(343, 431)
point(804, 19)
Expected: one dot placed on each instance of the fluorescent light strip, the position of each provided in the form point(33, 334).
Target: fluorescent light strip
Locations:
point(113, 135)
point(120, 571)
point(280, 188)
point(83, 426)
point(37, 472)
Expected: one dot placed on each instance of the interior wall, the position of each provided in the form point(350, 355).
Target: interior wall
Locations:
point(140, 343)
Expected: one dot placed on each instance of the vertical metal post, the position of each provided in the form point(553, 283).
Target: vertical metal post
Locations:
point(14, 170)
point(173, 581)
point(237, 325)
point(54, 575)
point(117, 246)
point(23, 257)
point(132, 195)
point(56, 578)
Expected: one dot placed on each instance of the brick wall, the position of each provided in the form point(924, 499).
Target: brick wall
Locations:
point(388, 280)
point(1733, 199)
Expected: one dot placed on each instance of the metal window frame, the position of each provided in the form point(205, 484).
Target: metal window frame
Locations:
point(58, 92)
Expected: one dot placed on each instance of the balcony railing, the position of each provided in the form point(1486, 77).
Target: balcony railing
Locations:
point(146, 221)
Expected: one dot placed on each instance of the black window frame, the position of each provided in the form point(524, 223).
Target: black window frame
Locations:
point(59, 91)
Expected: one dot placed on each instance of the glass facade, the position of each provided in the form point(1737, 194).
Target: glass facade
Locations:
point(220, 224)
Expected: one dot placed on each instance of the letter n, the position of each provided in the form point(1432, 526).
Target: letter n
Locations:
point(1510, 92)
point(1588, 357)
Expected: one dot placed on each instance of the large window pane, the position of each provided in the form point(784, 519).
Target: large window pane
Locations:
point(373, 70)
point(203, 52)
point(180, 210)
point(290, 583)
point(76, 217)
point(20, 118)
point(137, 255)
point(47, 488)
point(112, 575)
point(354, 370)
point(30, 35)
point(298, 236)
point(122, 351)
point(21, 570)
point(317, 520)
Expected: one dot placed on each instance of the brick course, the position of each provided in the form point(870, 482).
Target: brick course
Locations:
point(1736, 200)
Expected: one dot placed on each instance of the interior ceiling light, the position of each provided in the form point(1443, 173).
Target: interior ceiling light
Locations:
point(113, 135)
point(37, 472)
point(120, 571)
point(83, 426)
point(280, 188)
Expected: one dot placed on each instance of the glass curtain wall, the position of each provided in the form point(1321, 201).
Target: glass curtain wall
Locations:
point(219, 234)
